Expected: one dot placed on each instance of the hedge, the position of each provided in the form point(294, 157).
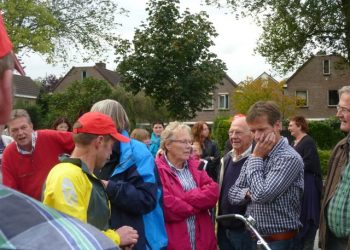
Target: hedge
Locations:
point(220, 131)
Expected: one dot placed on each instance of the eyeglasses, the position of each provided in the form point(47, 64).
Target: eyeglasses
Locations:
point(343, 110)
point(183, 141)
point(238, 133)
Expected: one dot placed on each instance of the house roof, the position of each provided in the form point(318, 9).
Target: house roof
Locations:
point(24, 86)
point(111, 76)
point(307, 62)
point(230, 80)
point(264, 75)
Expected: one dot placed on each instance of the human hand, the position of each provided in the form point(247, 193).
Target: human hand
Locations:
point(264, 144)
point(104, 183)
point(248, 195)
point(128, 236)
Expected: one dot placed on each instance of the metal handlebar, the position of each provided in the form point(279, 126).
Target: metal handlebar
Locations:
point(250, 222)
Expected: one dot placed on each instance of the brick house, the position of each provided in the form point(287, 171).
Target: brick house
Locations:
point(315, 84)
point(98, 71)
point(221, 102)
point(221, 96)
point(25, 90)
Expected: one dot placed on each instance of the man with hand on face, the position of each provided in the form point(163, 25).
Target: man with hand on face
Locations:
point(72, 188)
point(271, 180)
point(233, 234)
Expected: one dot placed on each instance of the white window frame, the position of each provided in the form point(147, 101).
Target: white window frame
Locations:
point(331, 105)
point(226, 95)
point(82, 74)
point(329, 67)
point(210, 107)
point(307, 98)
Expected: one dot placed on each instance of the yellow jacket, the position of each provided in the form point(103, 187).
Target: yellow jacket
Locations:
point(73, 190)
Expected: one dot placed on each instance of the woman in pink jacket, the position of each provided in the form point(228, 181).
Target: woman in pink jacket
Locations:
point(189, 193)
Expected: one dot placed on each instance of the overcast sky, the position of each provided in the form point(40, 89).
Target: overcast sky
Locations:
point(234, 45)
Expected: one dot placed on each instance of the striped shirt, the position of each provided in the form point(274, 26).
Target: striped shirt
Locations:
point(338, 216)
point(276, 185)
point(187, 183)
point(24, 152)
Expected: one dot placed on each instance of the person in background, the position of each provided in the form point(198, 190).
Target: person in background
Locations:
point(27, 161)
point(311, 205)
point(211, 153)
point(196, 153)
point(8, 62)
point(189, 193)
point(62, 124)
point(232, 234)
point(4, 142)
point(72, 188)
point(335, 215)
point(132, 184)
point(158, 127)
point(271, 180)
point(141, 135)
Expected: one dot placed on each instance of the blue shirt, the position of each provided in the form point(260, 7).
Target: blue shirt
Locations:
point(276, 185)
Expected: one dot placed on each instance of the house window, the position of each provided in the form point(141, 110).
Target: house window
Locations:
point(301, 98)
point(211, 103)
point(83, 75)
point(326, 67)
point(333, 97)
point(223, 101)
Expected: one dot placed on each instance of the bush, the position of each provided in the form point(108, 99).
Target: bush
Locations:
point(220, 131)
point(324, 158)
point(325, 133)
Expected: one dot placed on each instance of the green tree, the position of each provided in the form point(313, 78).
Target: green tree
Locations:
point(55, 28)
point(140, 108)
point(250, 91)
point(170, 60)
point(76, 99)
point(293, 30)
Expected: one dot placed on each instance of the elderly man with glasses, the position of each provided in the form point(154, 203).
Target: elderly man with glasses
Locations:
point(335, 210)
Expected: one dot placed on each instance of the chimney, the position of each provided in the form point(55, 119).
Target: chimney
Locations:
point(101, 65)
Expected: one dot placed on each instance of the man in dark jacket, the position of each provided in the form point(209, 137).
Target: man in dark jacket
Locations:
point(335, 211)
point(232, 234)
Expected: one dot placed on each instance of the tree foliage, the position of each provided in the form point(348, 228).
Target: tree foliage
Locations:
point(76, 99)
point(81, 95)
point(56, 28)
point(170, 59)
point(293, 30)
point(250, 91)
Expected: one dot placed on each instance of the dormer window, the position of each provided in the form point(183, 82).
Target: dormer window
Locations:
point(326, 67)
point(83, 75)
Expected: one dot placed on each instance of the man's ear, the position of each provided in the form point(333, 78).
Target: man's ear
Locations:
point(99, 140)
point(278, 125)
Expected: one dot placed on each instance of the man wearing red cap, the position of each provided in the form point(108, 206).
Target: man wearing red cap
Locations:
point(8, 62)
point(72, 188)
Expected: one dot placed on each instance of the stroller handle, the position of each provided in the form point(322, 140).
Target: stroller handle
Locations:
point(250, 222)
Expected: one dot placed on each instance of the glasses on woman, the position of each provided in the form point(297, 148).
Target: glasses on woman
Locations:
point(184, 142)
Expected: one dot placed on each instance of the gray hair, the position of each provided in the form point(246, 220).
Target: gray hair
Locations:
point(344, 89)
point(170, 131)
point(18, 113)
point(115, 110)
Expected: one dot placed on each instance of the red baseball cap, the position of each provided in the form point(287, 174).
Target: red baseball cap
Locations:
point(99, 124)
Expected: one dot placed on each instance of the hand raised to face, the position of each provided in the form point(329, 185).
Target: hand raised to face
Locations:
point(264, 144)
